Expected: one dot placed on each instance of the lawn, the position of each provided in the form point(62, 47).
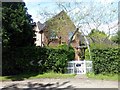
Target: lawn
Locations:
point(103, 77)
point(35, 76)
point(58, 75)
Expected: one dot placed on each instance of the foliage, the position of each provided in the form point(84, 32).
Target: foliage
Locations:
point(98, 39)
point(97, 33)
point(97, 46)
point(116, 38)
point(71, 54)
point(106, 60)
point(87, 55)
point(102, 46)
point(58, 58)
point(34, 59)
point(16, 25)
point(23, 59)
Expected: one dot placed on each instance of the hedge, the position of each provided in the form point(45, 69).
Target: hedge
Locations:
point(106, 60)
point(35, 59)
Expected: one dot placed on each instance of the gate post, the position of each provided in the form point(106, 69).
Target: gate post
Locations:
point(84, 67)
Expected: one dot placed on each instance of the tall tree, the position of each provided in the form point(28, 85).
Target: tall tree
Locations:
point(92, 15)
point(88, 15)
point(16, 25)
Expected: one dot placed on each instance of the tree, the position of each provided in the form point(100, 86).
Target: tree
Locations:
point(97, 33)
point(87, 16)
point(92, 15)
point(98, 39)
point(17, 30)
point(116, 38)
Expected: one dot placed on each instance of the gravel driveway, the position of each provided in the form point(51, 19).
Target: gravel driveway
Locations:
point(57, 84)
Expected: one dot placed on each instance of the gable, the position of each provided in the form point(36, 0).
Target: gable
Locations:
point(60, 22)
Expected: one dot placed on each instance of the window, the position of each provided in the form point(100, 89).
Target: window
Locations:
point(53, 34)
point(70, 35)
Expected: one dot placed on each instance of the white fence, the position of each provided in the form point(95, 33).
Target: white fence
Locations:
point(79, 67)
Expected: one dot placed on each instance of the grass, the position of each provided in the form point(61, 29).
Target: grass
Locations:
point(103, 77)
point(58, 75)
point(54, 75)
point(36, 76)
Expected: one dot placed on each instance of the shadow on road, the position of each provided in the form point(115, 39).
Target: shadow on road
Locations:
point(40, 86)
point(49, 86)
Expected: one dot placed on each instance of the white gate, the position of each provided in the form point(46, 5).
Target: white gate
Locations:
point(79, 67)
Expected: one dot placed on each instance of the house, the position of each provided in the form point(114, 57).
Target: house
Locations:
point(39, 31)
point(57, 30)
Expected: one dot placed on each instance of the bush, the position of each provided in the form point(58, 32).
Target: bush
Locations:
point(70, 51)
point(57, 60)
point(34, 59)
point(106, 60)
point(23, 60)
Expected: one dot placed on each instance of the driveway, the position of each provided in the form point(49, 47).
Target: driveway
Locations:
point(58, 84)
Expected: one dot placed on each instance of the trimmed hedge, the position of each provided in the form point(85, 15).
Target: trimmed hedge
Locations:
point(34, 59)
point(106, 60)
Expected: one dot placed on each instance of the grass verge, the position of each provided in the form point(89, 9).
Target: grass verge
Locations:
point(104, 77)
point(36, 76)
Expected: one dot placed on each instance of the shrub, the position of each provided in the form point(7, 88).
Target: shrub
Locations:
point(22, 60)
point(70, 51)
point(58, 57)
point(106, 60)
point(57, 60)
point(34, 59)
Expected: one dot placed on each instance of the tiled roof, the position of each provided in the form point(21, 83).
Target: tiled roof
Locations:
point(41, 26)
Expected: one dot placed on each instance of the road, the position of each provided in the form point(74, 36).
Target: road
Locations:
point(56, 84)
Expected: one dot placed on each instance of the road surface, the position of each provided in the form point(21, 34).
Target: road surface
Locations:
point(57, 84)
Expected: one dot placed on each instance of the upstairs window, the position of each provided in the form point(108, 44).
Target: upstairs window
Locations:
point(70, 35)
point(53, 34)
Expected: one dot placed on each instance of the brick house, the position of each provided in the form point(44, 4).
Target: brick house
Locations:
point(57, 30)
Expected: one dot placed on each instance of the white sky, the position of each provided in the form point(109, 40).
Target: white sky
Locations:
point(105, 1)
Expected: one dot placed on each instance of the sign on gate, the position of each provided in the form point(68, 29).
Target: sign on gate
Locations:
point(79, 67)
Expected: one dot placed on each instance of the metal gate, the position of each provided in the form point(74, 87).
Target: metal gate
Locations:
point(79, 67)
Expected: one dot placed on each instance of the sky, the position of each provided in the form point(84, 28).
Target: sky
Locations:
point(108, 9)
